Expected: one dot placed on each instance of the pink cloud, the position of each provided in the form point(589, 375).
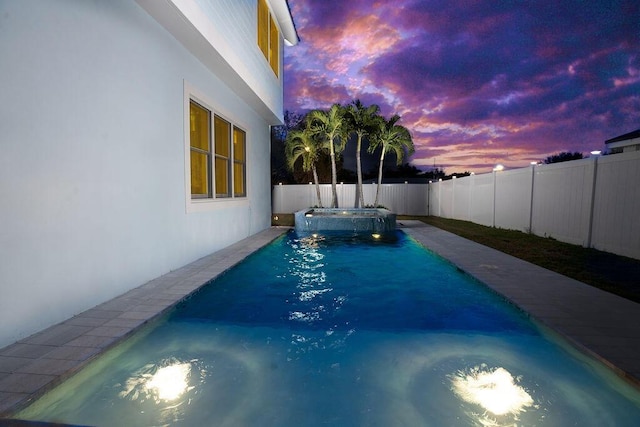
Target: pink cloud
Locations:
point(475, 81)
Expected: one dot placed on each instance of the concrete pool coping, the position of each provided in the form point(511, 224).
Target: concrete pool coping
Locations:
point(601, 324)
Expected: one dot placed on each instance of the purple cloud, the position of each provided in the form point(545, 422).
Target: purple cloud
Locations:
point(475, 81)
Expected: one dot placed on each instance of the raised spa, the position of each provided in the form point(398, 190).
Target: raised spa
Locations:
point(375, 221)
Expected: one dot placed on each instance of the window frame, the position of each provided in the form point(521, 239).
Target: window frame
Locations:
point(212, 201)
point(207, 153)
point(265, 25)
point(239, 162)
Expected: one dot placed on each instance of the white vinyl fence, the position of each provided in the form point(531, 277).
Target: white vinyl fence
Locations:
point(402, 199)
point(592, 202)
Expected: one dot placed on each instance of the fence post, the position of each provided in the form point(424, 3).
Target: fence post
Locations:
point(429, 199)
point(494, 198)
point(533, 178)
point(472, 185)
point(440, 197)
point(592, 201)
point(276, 202)
point(453, 197)
point(406, 198)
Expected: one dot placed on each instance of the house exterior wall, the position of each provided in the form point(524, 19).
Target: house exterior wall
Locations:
point(624, 146)
point(235, 22)
point(223, 35)
point(92, 170)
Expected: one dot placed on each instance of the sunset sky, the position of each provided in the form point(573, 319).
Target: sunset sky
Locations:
point(476, 82)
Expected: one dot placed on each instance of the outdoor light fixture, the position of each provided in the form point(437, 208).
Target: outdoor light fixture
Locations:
point(596, 153)
point(375, 235)
point(498, 168)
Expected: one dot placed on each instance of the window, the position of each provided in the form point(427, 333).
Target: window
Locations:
point(199, 119)
point(215, 154)
point(239, 162)
point(223, 157)
point(268, 36)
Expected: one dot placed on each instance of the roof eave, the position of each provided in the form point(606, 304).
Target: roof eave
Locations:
point(283, 15)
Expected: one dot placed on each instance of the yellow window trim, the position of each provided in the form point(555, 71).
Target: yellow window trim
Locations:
point(268, 36)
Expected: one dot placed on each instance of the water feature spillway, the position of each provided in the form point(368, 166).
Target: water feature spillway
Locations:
point(367, 220)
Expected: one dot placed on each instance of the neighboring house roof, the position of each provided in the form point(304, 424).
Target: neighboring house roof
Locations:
point(626, 136)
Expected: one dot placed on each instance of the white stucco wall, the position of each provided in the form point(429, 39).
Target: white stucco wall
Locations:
point(92, 168)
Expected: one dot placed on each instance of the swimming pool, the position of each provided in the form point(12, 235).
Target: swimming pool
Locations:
point(342, 331)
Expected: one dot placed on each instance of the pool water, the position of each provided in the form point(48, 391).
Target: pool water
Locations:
point(343, 331)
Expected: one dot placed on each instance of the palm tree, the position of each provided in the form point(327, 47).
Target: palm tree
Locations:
point(392, 138)
point(300, 144)
point(362, 121)
point(331, 127)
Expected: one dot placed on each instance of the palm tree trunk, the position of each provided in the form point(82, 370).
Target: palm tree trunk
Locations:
point(359, 195)
point(315, 180)
point(334, 177)
point(375, 204)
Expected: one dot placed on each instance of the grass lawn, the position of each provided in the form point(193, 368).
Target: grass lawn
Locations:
point(613, 273)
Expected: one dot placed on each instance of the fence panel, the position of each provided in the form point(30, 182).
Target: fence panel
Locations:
point(446, 199)
point(562, 200)
point(434, 198)
point(616, 213)
point(417, 202)
point(482, 189)
point(513, 199)
point(403, 199)
point(462, 199)
point(346, 195)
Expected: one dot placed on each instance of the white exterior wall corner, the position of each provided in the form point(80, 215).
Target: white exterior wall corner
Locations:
point(92, 171)
point(222, 34)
